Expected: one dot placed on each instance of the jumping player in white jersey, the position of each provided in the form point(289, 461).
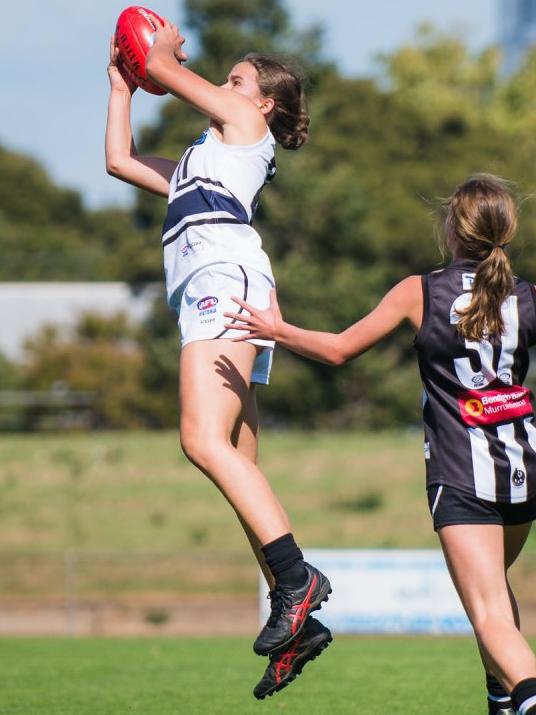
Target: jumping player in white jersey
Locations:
point(475, 323)
point(211, 252)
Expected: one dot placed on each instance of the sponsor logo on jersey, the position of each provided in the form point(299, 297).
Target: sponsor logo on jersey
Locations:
point(494, 406)
point(190, 246)
point(207, 305)
point(505, 377)
point(201, 139)
point(467, 281)
point(518, 477)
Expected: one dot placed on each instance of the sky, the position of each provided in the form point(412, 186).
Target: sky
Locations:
point(54, 86)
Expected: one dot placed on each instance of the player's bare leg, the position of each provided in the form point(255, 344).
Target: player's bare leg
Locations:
point(476, 556)
point(245, 438)
point(214, 387)
point(499, 701)
point(285, 666)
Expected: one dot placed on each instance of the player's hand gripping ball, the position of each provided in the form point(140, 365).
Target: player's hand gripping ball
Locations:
point(134, 35)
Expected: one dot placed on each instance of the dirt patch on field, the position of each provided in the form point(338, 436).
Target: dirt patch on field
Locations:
point(130, 616)
point(148, 616)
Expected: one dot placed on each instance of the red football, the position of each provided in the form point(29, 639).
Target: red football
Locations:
point(135, 36)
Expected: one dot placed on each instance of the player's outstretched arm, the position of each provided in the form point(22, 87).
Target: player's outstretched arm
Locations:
point(225, 107)
point(122, 160)
point(403, 302)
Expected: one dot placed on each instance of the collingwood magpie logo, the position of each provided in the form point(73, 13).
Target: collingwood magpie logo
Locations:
point(518, 477)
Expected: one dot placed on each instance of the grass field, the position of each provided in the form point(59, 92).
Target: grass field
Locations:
point(138, 515)
point(380, 676)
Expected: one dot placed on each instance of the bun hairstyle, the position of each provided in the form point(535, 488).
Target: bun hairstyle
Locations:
point(289, 122)
point(481, 219)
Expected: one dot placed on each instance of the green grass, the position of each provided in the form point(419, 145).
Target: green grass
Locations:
point(138, 515)
point(368, 676)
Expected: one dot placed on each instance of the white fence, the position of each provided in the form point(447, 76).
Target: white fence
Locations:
point(386, 591)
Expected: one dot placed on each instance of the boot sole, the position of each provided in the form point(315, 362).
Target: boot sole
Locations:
point(311, 654)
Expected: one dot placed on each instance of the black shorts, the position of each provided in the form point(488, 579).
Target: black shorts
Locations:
point(449, 506)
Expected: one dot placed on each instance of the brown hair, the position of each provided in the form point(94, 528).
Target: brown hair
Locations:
point(481, 219)
point(290, 119)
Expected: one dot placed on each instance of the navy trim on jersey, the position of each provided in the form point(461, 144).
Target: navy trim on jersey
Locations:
point(198, 179)
point(186, 160)
point(244, 297)
point(271, 170)
point(269, 177)
point(201, 201)
point(200, 222)
point(179, 168)
point(255, 202)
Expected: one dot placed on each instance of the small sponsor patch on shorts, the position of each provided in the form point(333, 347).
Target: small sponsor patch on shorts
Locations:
point(207, 305)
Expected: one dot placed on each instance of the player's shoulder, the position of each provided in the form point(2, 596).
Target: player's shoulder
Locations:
point(409, 285)
point(406, 292)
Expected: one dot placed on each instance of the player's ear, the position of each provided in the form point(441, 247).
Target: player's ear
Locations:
point(266, 105)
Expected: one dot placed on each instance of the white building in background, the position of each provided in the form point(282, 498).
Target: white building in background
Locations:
point(25, 308)
point(518, 30)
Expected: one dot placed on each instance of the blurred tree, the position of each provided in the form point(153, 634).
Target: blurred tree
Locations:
point(104, 359)
point(46, 234)
point(348, 215)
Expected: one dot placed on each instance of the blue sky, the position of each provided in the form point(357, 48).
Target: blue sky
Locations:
point(54, 86)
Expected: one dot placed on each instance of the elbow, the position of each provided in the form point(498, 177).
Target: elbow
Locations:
point(337, 359)
point(113, 168)
point(117, 165)
point(337, 354)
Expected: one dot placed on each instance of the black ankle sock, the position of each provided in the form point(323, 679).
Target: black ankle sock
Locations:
point(524, 697)
point(498, 698)
point(285, 561)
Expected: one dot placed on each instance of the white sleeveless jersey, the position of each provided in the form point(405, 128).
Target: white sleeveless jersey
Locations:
point(213, 195)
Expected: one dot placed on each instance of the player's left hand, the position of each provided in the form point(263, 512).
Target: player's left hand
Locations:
point(262, 324)
point(169, 40)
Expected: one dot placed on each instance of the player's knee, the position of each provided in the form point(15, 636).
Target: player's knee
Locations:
point(191, 446)
point(198, 447)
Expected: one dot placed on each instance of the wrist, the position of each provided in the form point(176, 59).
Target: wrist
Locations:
point(280, 331)
point(159, 58)
point(124, 92)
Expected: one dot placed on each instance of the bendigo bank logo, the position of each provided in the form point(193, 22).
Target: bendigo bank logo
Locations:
point(488, 407)
point(474, 407)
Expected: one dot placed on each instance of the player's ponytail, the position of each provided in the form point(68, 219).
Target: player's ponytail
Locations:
point(482, 220)
point(289, 122)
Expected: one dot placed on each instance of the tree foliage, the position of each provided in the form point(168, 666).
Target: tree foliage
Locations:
point(348, 215)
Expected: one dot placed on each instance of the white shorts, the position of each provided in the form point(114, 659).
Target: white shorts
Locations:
point(207, 296)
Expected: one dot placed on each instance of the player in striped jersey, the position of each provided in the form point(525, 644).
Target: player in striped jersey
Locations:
point(475, 323)
point(211, 251)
